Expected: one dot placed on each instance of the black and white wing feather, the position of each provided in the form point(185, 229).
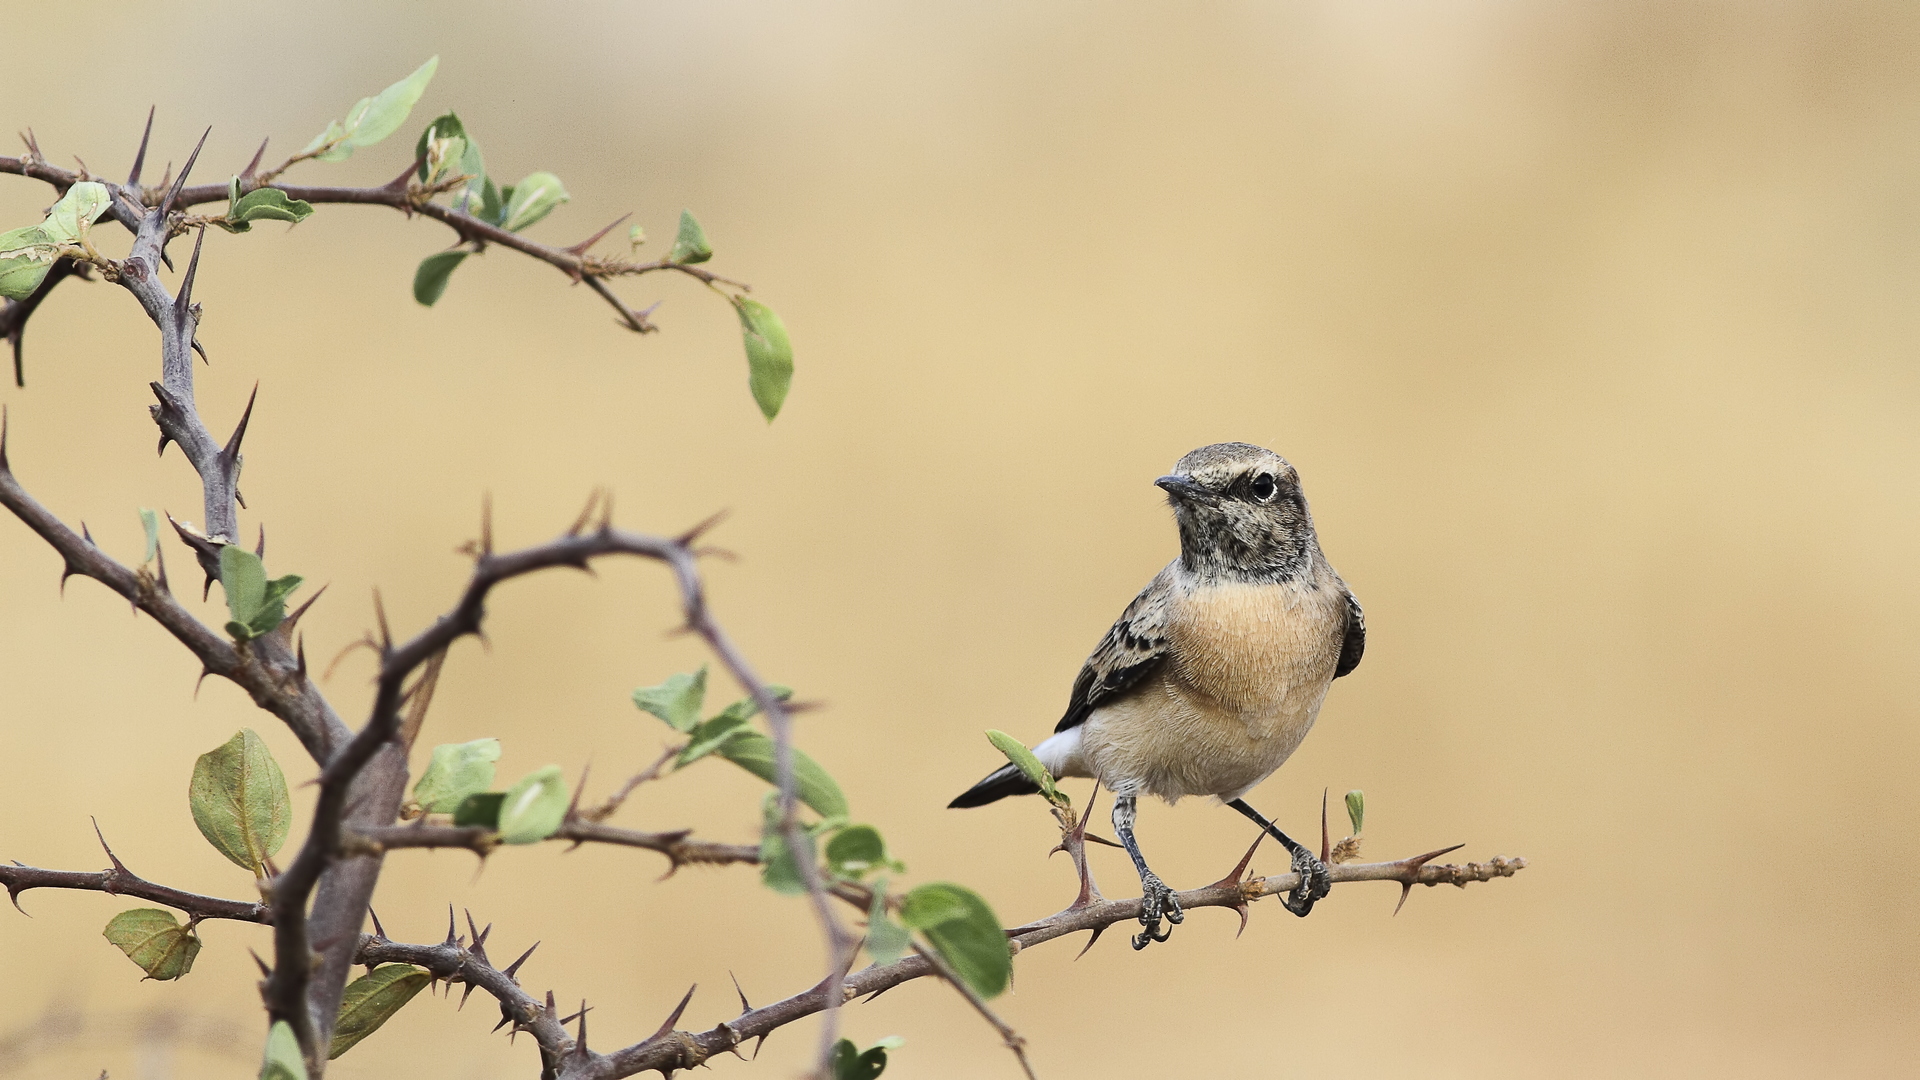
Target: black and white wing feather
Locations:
point(1355, 643)
point(1134, 648)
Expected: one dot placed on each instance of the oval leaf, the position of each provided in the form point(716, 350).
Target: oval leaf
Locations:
point(456, 771)
point(1357, 809)
point(283, 1060)
point(269, 204)
point(964, 931)
point(25, 257)
point(371, 1000)
point(753, 752)
point(677, 701)
point(151, 523)
point(534, 808)
point(239, 800)
point(532, 199)
point(769, 355)
point(1023, 759)
point(430, 281)
point(690, 245)
point(155, 940)
point(855, 850)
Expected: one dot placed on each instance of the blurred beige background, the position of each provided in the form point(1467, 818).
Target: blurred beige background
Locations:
point(1590, 327)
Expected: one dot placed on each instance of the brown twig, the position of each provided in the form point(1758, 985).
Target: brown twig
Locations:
point(1011, 1038)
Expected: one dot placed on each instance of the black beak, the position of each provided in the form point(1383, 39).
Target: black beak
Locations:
point(1181, 487)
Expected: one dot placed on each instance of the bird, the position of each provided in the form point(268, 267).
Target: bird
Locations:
point(1216, 671)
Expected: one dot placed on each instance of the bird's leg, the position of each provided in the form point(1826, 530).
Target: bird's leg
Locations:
point(1156, 899)
point(1315, 882)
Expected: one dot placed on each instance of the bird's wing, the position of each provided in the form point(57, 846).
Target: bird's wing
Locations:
point(1355, 642)
point(1132, 649)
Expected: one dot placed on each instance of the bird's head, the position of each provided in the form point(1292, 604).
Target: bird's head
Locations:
point(1241, 514)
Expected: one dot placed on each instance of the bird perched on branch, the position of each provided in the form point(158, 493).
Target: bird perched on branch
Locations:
point(1216, 671)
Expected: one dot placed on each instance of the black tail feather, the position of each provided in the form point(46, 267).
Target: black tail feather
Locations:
point(1000, 783)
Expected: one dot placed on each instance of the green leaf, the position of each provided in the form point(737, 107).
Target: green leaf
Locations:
point(268, 204)
point(964, 931)
point(532, 199)
point(1356, 809)
point(690, 246)
point(857, 849)
point(636, 236)
point(155, 940)
point(456, 771)
point(371, 1000)
point(482, 809)
point(677, 701)
point(887, 940)
point(26, 254)
point(712, 734)
point(535, 807)
point(151, 522)
point(239, 800)
point(753, 752)
point(430, 281)
point(375, 118)
point(80, 207)
point(769, 355)
point(778, 870)
point(493, 205)
point(850, 1063)
point(258, 606)
point(283, 1060)
point(1029, 766)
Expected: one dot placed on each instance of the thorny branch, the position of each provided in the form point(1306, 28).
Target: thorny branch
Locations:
point(272, 673)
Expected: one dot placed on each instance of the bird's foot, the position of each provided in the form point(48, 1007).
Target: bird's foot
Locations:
point(1315, 882)
point(1157, 902)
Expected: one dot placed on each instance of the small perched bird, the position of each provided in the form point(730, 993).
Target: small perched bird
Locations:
point(1216, 671)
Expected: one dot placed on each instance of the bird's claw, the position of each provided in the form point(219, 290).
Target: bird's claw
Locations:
point(1315, 882)
point(1157, 902)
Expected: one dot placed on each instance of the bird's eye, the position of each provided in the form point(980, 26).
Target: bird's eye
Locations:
point(1263, 488)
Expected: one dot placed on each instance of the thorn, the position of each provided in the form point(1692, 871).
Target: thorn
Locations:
point(1097, 931)
point(399, 183)
point(67, 571)
point(17, 338)
point(120, 866)
point(464, 995)
point(378, 930)
point(580, 1041)
point(1238, 877)
point(674, 1018)
point(581, 247)
point(33, 145)
point(166, 178)
point(264, 969)
point(85, 534)
point(1098, 839)
point(247, 173)
point(515, 966)
point(744, 1007)
point(140, 156)
point(160, 556)
point(5, 469)
point(293, 620)
point(486, 524)
point(586, 513)
point(231, 454)
point(204, 672)
point(687, 538)
point(1412, 871)
point(450, 938)
point(166, 204)
point(380, 613)
point(478, 948)
point(13, 894)
point(505, 1019)
point(199, 348)
point(260, 548)
point(183, 304)
point(1326, 849)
